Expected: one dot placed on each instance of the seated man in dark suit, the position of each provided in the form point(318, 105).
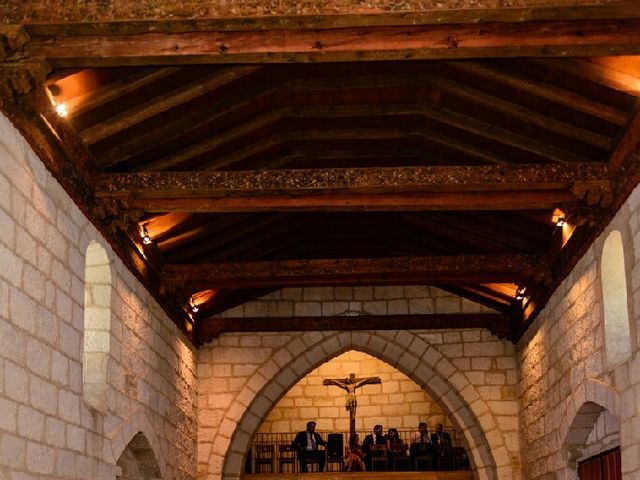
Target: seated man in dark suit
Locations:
point(441, 441)
point(306, 444)
point(375, 438)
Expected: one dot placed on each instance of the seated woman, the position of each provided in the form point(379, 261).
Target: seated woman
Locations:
point(394, 442)
point(396, 447)
point(353, 459)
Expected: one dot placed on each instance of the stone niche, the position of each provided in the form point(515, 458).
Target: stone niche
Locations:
point(398, 402)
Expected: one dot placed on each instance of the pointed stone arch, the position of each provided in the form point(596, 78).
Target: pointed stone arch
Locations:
point(405, 351)
point(125, 433)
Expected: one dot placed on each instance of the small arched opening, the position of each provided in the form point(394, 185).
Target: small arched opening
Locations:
point(97, 326)
point(614, 299)
point(138, 462)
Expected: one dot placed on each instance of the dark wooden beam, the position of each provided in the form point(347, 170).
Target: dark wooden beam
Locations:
point(454, 269)
point(157, 105)
point(511, 109)
point(273, 119)
point(547, 91)
point(505, 200)
point(212, 327)
point(409, 40)
point(628, 142)
point(404, 188)
point(93, 18)
point(150, 15)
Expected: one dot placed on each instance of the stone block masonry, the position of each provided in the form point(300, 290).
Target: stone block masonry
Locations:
point(572, 403)
point(398, 402)
point(47, 430)
point(469, 374)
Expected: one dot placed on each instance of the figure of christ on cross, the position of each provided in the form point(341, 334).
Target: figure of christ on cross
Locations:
point(350, 384)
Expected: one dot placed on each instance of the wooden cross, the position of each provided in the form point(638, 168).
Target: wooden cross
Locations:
point(350, 384)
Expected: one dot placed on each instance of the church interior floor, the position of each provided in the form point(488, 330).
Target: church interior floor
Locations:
point(459, 475)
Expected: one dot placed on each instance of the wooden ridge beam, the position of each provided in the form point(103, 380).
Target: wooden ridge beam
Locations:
point(386, 188)
point(453, 269)
point(549, 38)
point(212, 327)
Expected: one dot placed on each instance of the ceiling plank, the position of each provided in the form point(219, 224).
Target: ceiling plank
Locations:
point(155, 106)
point(537, 118)
point(454, 269)
point(80, 104)
point(272, 117)
point(366, 136)
point(212, 327)
point(549, 92)
point(386, 42)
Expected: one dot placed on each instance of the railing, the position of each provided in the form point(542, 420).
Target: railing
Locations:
point(270, 453)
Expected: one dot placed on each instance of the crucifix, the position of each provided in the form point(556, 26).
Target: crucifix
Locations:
point(350, 384)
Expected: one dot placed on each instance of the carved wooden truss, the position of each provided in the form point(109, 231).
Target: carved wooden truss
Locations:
point(334, 145)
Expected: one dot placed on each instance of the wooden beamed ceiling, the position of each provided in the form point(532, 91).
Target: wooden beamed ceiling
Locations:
point(259, 153)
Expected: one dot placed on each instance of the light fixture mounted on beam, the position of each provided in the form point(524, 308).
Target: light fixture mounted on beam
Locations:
point(146, 239)
point(559, 218)
point(520, 293)
point(193, 306)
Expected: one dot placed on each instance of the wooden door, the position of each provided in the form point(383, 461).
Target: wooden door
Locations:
point(604, 466)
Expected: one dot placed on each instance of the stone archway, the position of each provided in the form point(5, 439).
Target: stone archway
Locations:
point(135, 426)
point(584, 407)
point(137, 461)
point(405, 351)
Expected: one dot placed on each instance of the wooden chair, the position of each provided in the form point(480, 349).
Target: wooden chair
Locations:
point(335, 452)
point(264, 458)
point(400, 461)
point(286, 458)
point(460, 459)
point(378, 456)
point(423, 456)
point(312, 463)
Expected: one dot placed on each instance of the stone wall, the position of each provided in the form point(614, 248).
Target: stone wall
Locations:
point(572, 404)
point(329, 301)
point(470, 374)
point(47, 430)
point(397, 402)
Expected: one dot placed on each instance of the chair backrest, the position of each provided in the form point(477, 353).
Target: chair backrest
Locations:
point(335, 445)
point(422, 450)
point(264, 452)
point(399, 447)
point(378, 450)
point(286, 453)
point(459, 452)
